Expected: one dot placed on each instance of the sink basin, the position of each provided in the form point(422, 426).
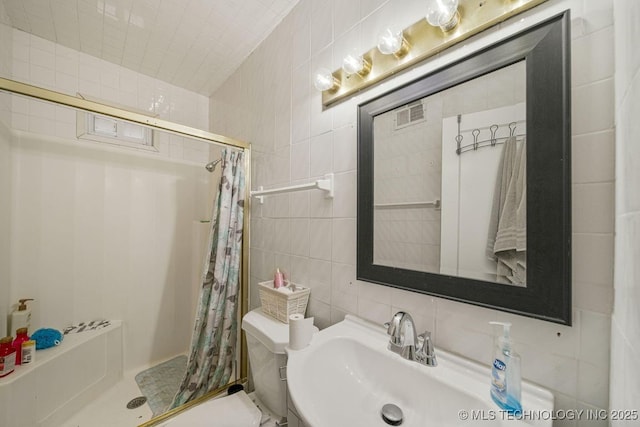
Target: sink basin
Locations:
point(347, 374)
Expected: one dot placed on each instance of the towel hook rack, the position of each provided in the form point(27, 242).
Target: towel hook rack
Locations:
point(475, 134)
point(512, 128)
point(493, 129)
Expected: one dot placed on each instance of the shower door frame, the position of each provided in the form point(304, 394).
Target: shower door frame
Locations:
point(19, 88)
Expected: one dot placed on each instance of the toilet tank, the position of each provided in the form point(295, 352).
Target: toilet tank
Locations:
point(266, 340)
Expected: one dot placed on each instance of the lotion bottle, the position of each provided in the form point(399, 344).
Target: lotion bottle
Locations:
point(21, 316)
point(278, 279)
point(505, 373)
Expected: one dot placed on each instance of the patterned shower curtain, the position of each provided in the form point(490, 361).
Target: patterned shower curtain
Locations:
point(213, 343)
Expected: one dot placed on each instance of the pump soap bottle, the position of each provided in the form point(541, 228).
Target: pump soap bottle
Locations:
point(21, 316)
point(505, 373)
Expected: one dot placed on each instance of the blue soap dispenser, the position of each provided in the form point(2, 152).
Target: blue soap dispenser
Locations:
point(505, 373)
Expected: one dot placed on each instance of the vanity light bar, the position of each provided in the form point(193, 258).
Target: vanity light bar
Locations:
point(425, 41)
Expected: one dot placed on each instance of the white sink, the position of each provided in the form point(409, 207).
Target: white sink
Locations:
point(346, 375)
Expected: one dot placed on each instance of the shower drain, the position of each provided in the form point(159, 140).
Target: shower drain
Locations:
point(136, 402)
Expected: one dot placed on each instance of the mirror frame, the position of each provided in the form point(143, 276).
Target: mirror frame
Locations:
point(546, 49)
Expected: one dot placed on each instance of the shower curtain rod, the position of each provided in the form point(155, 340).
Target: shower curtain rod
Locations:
point(118, 113)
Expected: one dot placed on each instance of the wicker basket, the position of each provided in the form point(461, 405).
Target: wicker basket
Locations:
point(281, 305)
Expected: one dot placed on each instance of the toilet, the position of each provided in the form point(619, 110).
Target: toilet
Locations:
point(266, 342)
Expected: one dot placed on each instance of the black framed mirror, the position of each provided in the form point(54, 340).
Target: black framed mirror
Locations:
point(464, 175)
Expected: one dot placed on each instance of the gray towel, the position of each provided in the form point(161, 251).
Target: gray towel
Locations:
point(507, 238)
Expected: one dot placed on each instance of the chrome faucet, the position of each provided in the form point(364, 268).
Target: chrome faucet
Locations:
point(404, 341)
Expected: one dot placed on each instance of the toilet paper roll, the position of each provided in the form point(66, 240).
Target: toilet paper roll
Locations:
point(300, 331)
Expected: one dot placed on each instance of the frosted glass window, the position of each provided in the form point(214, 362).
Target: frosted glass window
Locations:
point(112, 131)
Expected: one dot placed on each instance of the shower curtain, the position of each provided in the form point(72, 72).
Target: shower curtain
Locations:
point(213, 343)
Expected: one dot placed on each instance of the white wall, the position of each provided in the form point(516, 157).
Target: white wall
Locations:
point(5, 177)
point(270, 101)
point(103, 232)
point(625, 324)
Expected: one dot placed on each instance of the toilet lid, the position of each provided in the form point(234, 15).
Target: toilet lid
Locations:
point(272, 333)
point(236, 410)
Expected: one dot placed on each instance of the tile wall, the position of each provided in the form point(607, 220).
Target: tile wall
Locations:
point(5, 176)
point(46, 64)
point(270, 101)
point(625, 323)
point(101, 232)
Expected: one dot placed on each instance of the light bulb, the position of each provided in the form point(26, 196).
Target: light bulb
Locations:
point(443, 13)
point(324, 80)
point(392, 42)
point(354, 63)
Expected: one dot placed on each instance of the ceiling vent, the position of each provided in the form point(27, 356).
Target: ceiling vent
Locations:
point(410, 114)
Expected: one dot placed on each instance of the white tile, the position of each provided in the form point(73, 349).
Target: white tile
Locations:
point(321, 154)
point(66, 83)
point(319, 205)
point(282, 237)
point(597, 15)
point(42, 76)
point(595, 329)
point(373, 311)
point(344, 203)
point(592, 57)
point(299, 203)
point(344, 241)
point(42, 58)
point(565, 403)
point(300, 237)
point(299, 269)
point(320, 279)
point(338, 315)
point(412, 302)
point(593, 157)
point(592, 258)
point(321, 25)
point(592, 107)
point(592, 208)
point(320, 239)
point(374, 292)
point(300, 103)
point(593, 384)
point(631, 387)
point(344, 149)
point(593, 297)
point(343, 279)
point(320, 311)
point(345, 15)
point(20, 71)
point(368, 6)
point(627, 151)
point(301, 44)
point(300, 160)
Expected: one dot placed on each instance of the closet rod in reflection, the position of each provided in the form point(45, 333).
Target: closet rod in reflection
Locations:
point(434, 204)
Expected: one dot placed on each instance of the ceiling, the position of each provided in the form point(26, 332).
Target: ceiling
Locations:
point(194, 44)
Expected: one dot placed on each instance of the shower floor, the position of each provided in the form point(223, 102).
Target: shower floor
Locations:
point(110, 409)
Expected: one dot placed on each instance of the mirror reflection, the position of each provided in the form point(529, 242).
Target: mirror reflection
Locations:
point(450, 181)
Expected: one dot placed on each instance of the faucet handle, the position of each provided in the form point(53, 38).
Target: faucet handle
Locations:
point(425, 353)
point(393, 328)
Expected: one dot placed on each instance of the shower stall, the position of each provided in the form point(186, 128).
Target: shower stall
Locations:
point(101, 231)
